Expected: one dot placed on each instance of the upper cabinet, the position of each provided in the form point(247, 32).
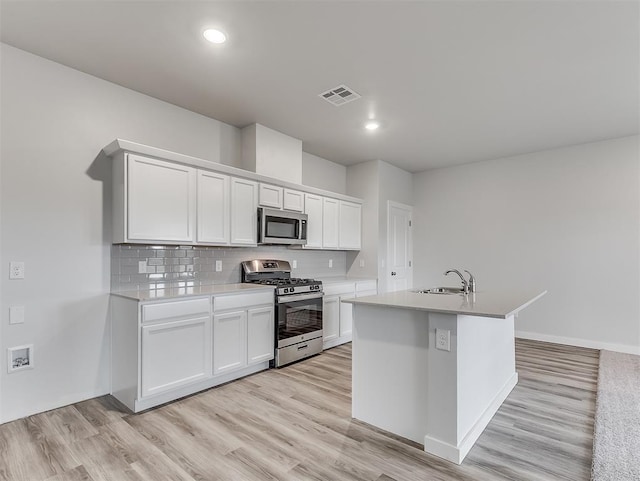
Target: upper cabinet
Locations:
point(214, 200)
point(313, 209)
point(293, 200)
point(161, 197)
point(244, 212)
point(270, 196)
point(157, 202)
point(350, 225)
point(330, 223)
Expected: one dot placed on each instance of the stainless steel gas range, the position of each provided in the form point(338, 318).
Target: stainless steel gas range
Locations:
point(298, 309)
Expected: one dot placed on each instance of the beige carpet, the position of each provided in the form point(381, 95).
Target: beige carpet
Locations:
point(616, 441)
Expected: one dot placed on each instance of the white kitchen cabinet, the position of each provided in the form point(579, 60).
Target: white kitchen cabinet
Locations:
point(229, 341)
point(243, 330)
point(350, 225)
point(330, 317)
point(213, 206)
point(293, 200)
point(244, 210)
point(313, 209)
point(330, 223)
point(336, 316)
point(159, 204)
point(346, 315)
point(270, 196)
point(167, 349)
point(260, 334)
point(174, 354)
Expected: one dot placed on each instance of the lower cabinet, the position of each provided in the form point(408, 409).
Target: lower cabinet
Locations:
point(337, 316)
point(164, 350)
point(229, 341)
point(174, 354)
point(243, 332)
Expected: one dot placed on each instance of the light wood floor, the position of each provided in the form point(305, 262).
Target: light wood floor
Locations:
point(295, 424)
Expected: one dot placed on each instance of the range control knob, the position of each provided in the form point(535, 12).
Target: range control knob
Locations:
point(291, 290)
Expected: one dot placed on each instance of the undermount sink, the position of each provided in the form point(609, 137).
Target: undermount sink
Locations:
point(441, 290)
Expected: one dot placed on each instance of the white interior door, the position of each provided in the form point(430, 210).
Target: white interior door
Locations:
point(399, 272)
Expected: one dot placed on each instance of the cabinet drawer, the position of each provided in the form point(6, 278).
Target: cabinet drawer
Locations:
point(242, 301)
point(362, 286)
point(168, 310)
point(342, 288)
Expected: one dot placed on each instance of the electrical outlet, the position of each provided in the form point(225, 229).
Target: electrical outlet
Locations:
point(16, 270)
point(361, 262)
point(294, 264)
point(142, 267)
point(218, 266)
point(330, 263)
point(16, 314)
point(443, 339)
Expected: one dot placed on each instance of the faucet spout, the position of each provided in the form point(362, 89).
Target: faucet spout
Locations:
point(465, 284)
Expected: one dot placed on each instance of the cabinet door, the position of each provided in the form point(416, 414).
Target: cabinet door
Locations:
point(331, 317)
point(330, 212)
point(213, 208)
point(174, 354)
point(350, 225)
point(346, 315)
point(313, 209)
point(293, 200)
point(260, 334)
point(161, 203)
point(229, 341)
point(244, 210)
point(270, 196)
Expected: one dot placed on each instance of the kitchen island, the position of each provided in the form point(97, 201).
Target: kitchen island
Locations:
point(434, 368)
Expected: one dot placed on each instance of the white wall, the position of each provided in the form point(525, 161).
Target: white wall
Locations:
point(376, 182)
point(395, 185)
point(565, 220)
point(363, 182)
point(55, 216)
point(323, 174)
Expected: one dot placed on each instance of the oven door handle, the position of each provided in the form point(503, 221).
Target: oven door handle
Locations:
point(299, 297)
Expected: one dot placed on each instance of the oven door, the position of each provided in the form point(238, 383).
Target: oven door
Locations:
point(299, 318)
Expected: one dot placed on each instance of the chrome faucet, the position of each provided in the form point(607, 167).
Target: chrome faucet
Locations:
point(472, 281)
point(465, 284)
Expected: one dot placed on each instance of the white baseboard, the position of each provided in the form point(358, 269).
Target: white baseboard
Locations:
point(574, 341)
point(29, 409)
point(456, 454)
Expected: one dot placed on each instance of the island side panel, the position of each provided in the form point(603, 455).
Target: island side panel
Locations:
point(486, 367)
point(390, 355)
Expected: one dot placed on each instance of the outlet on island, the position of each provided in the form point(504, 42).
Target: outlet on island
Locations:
point(443, 339)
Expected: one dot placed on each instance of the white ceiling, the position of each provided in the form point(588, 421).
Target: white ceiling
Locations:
point(452, 82)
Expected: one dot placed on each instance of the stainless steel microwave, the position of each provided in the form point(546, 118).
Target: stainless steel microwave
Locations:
point(281, 227)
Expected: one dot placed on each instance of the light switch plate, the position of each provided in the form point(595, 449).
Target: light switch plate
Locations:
point(218, 266)
point(16, 314)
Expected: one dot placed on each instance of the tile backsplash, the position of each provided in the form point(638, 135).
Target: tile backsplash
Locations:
point(180, 266)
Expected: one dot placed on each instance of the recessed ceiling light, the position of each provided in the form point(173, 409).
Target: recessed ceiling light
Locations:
point(372, 125)
point(215, 36)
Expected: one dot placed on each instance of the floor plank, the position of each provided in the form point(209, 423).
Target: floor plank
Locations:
point(295, 423)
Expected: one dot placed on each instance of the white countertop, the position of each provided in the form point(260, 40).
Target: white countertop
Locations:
point(204, 290)
point(484, 304)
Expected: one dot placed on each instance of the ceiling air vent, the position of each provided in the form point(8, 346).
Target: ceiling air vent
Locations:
point(339, 95)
